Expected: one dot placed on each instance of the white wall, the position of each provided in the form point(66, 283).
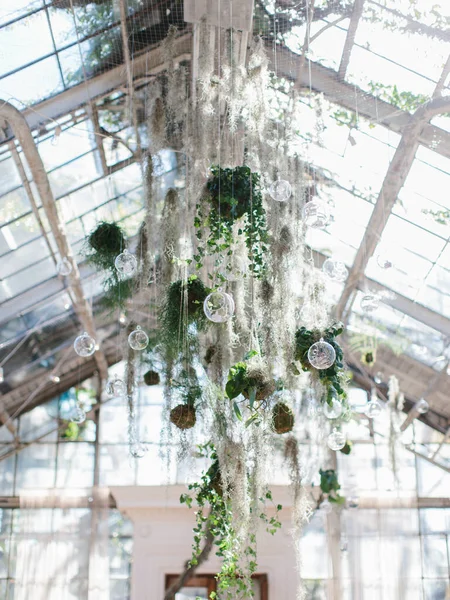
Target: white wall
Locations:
point(163, 540)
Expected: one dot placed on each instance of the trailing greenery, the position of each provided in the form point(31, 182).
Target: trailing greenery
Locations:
point(102, 246)
point(329, 485)
point(440, 216)
point(232, 194)
point(253, 383)
point(334, 377)
point(183, 306)
point(404, 100)
point(233, 581)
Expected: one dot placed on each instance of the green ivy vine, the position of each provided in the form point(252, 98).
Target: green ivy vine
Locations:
point(232, 194)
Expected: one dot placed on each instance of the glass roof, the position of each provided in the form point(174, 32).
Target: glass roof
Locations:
point(47, 49)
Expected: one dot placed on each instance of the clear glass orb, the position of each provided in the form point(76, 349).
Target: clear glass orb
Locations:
point(280, 190)
point(352, 501)
point(64, 267)
point(79, 415)
point(370, 303)
point(126, 263)
point(316, 214)
point(422, 406)
point(335, 269)
point(115, 387)
point(379, 377)
point(334, 411)
point(138, 450)
point(138, 339)
point(383, 262)
point(321, 355)
point(219, 306)
point(336, 440)
point(373, 409)
point(84, 345)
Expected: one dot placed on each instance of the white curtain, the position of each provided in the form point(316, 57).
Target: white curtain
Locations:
point(62, 547)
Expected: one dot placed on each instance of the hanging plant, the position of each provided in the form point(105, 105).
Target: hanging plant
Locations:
point(254, 383)
point(183, 306)
point(184, 415)
point(334, 377)
point(232, 195)
point(101, 248)
point(329, 485)
point(347, 448)
point(216, 528)
point(282, 418)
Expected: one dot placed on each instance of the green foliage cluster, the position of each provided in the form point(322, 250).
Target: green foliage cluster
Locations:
point(404, 100)
point(332, 378)
point(440, 216)
point(232, 194)
point(183, 306)
point(101, 248)
point(253, 383)
point(232, 581)
point(329, 484)
point(282, 418)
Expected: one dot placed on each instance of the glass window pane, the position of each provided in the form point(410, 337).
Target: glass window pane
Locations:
point(434, 553)
point(73, 175)
point(36, 467)
point(29, 86)
point(13, 9)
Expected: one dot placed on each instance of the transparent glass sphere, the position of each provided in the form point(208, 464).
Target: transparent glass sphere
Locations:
point(352, 501)
point(219, 306)
point(280, 190)
point(336, 440)
point(379, 377)
point(64, 267)
point(115, 387)
point(79, 415)
point(138, 339)
point(138, 450)
point(334, 411)
point(373, 409)
point(126, 263)
point(422, 406)
point(383, 262)
point(316, 214)
point(335, 269)
point(370, 303)
point(321, 355)
point(84, 345)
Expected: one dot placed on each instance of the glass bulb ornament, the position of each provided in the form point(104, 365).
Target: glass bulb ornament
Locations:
point(316, 214)
point(422, 406)
point(79, 415)
point(370, 303)
point(321, 355)
point(84, 345)
point(2, 375)
point(334, 411)
point(280, 190)
point(115, 387)
point(373, 409)
point(138, 339)
point(336, 440)
point(126, 263)
point(219, 306)
point(335, 269)
point(64, 267)
point(137, 450)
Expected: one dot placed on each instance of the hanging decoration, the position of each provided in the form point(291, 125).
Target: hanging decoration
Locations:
point(84, 345)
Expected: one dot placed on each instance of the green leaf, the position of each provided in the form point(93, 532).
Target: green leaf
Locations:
point(237, 411)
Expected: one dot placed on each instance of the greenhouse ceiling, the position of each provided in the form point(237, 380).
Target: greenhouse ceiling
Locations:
point(378, 78)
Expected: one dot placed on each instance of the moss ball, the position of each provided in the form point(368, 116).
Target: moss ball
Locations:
point(282, 418)
point(183, 416)
point(257, 378)
point(107, 238)
point(347, 448)
point(151, 378)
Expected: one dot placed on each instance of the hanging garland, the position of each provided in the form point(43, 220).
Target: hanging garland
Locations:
point(232, 196)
